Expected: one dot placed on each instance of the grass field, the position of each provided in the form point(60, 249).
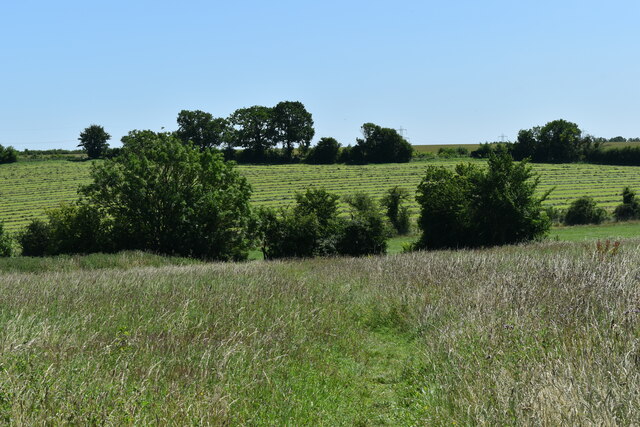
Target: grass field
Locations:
point(28, 188)
point(540, 334)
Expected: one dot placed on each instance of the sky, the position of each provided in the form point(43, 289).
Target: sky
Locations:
point(448, 72)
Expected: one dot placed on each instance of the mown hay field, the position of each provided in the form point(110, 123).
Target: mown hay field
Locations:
point(543, 334)
point(27, 189)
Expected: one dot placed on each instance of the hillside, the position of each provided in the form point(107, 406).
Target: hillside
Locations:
point(544, 334)
point(27, 189)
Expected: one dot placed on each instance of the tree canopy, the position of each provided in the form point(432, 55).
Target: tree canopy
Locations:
point(380, 145)
point(292, 125)
point(472, 207)
point(93, 140)
point(202, 129)
point(558, 141)
point(162, 195)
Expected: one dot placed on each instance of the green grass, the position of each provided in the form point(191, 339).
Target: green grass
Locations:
point(609, 230)
point(27, 189)
point(537, 334)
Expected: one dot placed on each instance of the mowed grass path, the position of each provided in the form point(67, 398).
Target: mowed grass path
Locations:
point(27, 189)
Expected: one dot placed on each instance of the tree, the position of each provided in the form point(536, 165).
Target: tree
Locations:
point(383, 145)
point(584, 211)
point(94, 141)
point(164, 196)
point(8, 154)
point(630, 207)
point(365, 233)
point(398, 214)
point(326, 151)
point(557, 141)
point(474, 207)
point(253, 130)
point(202, 129)
point(292, 124)
point(311, 228)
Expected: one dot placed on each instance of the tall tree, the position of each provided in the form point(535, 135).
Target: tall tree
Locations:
point(292, 124)
point(94, 141)
point(253, 129)
point(202, 129)
point(383, 145)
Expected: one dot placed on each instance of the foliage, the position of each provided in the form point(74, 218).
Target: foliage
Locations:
point(164, 196)
point(449, 152)
point(253, 130)
point(202, 129)
point(630, 207)
point(307, 230)
point(398, 215)
point(475, 207)
point(558, 141)
point(380, 145)
point(292, 124)
point(36, 239)
point(94, 141)
point(629, 156)
point(365, 233)
point(69, 229)
point(8, 154)
point(584, 211)
point(326, 151)
point(484, 150)
point(6, 242)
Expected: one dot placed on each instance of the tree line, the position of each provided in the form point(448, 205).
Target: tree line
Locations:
point(561, 141)
point(279, 134)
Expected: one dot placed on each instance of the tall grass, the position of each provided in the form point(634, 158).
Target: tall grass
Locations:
point(539, 334)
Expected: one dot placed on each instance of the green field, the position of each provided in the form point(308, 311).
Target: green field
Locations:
point(541, 334)
point(28, 188)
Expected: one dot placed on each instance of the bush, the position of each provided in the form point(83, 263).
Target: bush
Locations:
point(398, 215)
point(380, 145)
point(584, 211)
point(8, 155)
point(630, 207)
point(311, 228)
point(6, 242)
point(366, 232)
point(165, 196)
point(449, 152)
point(36, 239)
point(473, 207)
point(326, 151)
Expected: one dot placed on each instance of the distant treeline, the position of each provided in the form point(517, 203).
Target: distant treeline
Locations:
point(561, 141)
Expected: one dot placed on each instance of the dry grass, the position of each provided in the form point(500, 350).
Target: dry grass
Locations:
point(543, 334)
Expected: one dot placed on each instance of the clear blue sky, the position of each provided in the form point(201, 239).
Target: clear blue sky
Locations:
point(446, 71)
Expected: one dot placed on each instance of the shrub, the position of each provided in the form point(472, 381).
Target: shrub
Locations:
point(326, 151)
point(8, 155)
point(6, 242)
point(474, 207)
point(584, 211)
point(397, 213)
point(630, 207)
point(311, 228)
point(168, 197)
point(449, 152)
point(366, 232)
point(36, 239)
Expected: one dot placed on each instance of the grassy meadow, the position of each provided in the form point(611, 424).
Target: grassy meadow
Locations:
point(27, 189)
point(540, 334)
